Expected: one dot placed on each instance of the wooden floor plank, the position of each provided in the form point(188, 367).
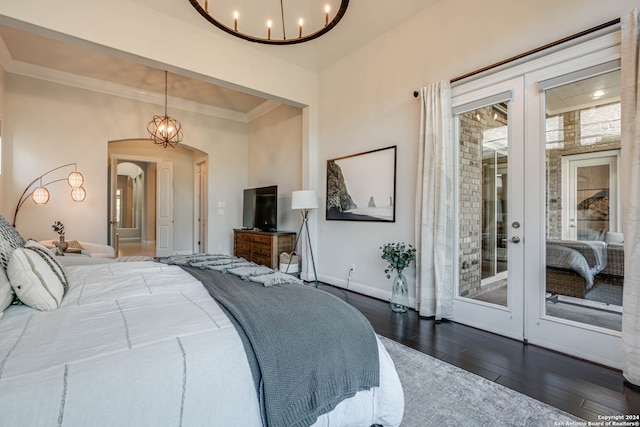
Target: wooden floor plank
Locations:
point(576, 386)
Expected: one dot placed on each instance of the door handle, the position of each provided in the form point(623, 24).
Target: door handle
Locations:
point(514, 239)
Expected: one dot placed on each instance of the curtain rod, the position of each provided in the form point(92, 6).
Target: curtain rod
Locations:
point(533, 51)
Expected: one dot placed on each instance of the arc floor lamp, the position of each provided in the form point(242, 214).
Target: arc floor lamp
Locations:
point(304, 201)
point(40, 195)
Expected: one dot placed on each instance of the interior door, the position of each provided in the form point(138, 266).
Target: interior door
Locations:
point(113, 207)
point(164, 209)
point(489, 134)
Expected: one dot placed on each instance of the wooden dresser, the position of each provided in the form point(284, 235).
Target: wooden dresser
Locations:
point(262, 247)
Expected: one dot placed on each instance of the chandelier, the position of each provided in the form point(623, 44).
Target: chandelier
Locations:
point(165, 130)
point(263, 22)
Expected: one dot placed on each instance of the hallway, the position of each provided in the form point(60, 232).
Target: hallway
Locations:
point(136, 248)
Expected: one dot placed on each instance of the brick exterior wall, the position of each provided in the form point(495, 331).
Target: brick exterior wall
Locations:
point(566, 140)
point(575, 143)
point(470, 206)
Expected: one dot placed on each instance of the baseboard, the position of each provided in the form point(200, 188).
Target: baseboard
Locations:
point(183, 253)
point(128, 239)
point(361, 288)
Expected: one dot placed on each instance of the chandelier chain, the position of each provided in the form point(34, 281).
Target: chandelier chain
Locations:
point(284, 33)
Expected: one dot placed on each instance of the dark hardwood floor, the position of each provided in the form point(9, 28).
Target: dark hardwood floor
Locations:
point(581, 388)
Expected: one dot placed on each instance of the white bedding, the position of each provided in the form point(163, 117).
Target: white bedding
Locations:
point(143, 343)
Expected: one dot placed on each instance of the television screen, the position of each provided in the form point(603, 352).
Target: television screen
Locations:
point(260, 208)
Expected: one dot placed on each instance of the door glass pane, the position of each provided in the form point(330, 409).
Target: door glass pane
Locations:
point(483, 181)
point(592, 201)
point(584, 256)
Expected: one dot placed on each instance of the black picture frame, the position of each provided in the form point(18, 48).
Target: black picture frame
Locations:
point(362, 187)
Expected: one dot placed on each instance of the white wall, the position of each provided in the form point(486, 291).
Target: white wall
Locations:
point(366, 103)
point(47, 125)
point(275, 157)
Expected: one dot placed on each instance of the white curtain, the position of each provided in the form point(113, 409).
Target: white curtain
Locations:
point(434, 204)
point(630, 194)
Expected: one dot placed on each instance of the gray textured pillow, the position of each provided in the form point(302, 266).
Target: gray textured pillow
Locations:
point(10, 239)
point(36, 276)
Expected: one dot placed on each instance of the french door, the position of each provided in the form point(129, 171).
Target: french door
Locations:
point(537, 147)
point(490, 134)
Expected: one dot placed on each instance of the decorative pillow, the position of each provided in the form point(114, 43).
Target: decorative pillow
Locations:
point(36, 276)
point(10, 239)
point(6, 292)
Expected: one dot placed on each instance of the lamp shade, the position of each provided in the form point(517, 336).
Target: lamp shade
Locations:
point(304, 199)
point(75, 179)
point(40, 196)
point(78, 194)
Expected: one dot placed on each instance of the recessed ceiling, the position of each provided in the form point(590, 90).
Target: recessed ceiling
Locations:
point(597, 90)
point(363, 22)
point(40, 51)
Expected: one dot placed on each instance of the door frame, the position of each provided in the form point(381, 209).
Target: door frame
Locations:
point(114, 159)
point(200, 206)
point(569, 181)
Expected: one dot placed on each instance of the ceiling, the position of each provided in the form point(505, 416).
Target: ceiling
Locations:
point(364, 20)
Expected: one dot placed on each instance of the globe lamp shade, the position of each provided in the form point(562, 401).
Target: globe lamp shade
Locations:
point(75, 179)
point(40, 196)
point(78, 194)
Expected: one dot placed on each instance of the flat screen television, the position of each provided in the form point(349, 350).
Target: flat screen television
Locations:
point(260, 208)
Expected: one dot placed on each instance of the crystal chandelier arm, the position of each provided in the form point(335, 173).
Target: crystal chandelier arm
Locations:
point(28, 191)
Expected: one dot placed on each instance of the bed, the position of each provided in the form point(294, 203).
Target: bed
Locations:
point(573, 265)
point(145, 344)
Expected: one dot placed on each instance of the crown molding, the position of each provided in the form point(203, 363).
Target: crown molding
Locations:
point(5, 56)
point(262, 109)
point(108, 88)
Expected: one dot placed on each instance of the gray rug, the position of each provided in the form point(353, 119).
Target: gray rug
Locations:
point(439, 394)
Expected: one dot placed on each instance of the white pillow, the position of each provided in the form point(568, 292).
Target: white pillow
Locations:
point(36, 276)
point(6, 292)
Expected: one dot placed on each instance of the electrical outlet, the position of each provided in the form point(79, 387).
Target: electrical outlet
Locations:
point(352, 268)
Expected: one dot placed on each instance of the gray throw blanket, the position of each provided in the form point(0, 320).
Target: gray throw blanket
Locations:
point(307, 349)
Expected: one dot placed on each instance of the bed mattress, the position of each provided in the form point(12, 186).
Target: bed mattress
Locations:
point(143, 343)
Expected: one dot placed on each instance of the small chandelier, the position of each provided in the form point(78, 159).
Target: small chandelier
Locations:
point(165, 130)
point(262, 23)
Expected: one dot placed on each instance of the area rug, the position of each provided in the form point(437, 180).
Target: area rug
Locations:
point(439, 394)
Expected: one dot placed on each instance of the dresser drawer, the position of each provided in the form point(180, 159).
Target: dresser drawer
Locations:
point(243, 245)
point(243, 254)
point(261, 249)
point(259, 238)
point(262, 260)
point(243, 238)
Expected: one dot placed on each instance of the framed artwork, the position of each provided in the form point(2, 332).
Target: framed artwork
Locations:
point(362, 187)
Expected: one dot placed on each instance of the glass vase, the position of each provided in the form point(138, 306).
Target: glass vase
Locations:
point(62, 245)
point(399, 294)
